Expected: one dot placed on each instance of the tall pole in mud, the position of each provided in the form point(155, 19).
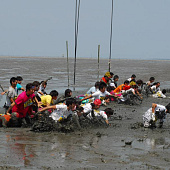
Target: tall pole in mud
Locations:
point(98, 59)
point(76, 35)
point(67, 63)
point(111, 38)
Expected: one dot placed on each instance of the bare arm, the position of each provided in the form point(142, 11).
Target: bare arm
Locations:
point(88, 97)
point(4, 92)
point(153, 107)
point(48, 107)
point(22, 89)
point(12, 105)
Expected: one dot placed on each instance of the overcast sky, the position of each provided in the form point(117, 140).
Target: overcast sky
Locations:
point(42, 27)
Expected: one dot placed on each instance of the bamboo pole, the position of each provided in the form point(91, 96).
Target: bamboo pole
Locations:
point(98, 60)
point(67, 63)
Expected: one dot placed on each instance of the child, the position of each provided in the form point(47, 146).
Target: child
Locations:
point(102, 114)
point(153, 114)
point(47, 100)
point(61, 111)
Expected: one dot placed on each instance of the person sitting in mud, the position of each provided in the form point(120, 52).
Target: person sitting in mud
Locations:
point(19, 86)
point(132, 78)
point(153, 114)
point(11, 94)
point(100, 94)
point(160, 94)
point(102, 114)
point(113, 83)
point(61, 99)
point(94, 88)
point(47, 100)
point(22, 107)
point(106, 78)
point(155, 88)
point(61, 111)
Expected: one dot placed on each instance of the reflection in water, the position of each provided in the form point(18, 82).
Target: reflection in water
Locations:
point(150, 143)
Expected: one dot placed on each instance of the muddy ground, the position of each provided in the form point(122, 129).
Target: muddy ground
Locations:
point(124, 145)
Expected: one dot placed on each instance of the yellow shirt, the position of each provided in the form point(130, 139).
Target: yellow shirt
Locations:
point(46, 99)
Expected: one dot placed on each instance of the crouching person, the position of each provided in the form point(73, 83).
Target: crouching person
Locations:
point(153, 114)
point(103, 115)
point(21, 108)
point(61, 111)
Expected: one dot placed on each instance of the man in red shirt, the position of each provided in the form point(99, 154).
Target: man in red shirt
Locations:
point(22, 107)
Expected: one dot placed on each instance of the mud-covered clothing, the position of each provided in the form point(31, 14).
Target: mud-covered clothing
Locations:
point(98, 114)
point(155, 89)
point(46, 99)
point(159, 94)
point(148, 116)
point(12, 93)
point(99, 95)
point(23, 104)
point(91, 90)
point(87, 108)
point(61, 99)
point(60, 111)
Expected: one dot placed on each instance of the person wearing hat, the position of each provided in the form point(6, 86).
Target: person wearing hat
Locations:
point(89, 107)
point(106, 78)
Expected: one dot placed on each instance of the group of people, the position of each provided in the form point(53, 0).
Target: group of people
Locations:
point(22, 104)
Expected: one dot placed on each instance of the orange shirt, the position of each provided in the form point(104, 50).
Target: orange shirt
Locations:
point(118, 89)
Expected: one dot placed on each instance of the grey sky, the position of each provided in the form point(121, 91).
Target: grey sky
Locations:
point(41, 28)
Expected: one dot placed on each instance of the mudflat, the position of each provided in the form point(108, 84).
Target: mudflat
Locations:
point(123, 145)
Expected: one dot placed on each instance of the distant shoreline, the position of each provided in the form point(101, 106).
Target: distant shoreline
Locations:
point(83, 58)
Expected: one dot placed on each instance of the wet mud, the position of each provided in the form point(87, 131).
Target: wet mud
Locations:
point(125, 144)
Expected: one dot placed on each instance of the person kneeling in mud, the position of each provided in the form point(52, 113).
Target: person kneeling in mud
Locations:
point(61, 112)
point(21, 108)
point(153, 114)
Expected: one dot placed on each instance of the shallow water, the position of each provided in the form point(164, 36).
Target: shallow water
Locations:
point(120, 146)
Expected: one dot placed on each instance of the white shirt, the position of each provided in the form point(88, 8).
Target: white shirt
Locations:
point(98, 114)
point(112, 84)
point(87, 108)
point(12, 93)
point(148, 114)
point(159, 94)
point(61, 110)
point(155, 89)
point(91, 90)
point(99, 95)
